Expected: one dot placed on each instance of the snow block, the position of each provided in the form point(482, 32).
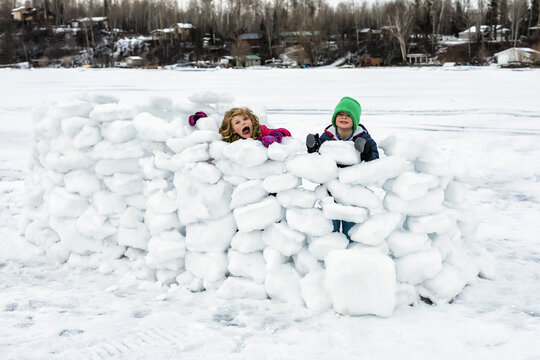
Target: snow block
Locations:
point(211, 266)
point(282, 238)
point(417, 267)
point(374, 172)
point(210, 236)
point(375, 230)
point(361, 282)
point(313, 167)
point(342, 152)
point(259, 215)
point(247, 153)
point(309, 221)
point(283, 285)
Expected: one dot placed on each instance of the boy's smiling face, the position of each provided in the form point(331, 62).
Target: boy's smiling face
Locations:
point(242, 125)
point(344, 121)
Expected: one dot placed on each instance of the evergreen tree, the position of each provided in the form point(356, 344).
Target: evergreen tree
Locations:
point(459, 20)
point(535, 12)
point(492, 17)
point(8, 46)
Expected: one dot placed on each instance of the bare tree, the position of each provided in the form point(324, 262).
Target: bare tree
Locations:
point(400, 24)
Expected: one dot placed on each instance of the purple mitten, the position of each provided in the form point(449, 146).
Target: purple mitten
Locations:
point(277, 134)
point(193, 118)
point(267, 140)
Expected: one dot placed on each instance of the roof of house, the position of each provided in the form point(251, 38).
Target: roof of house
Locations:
point(134, 58)
point(366, 30)
point(252, 57)
point(183, 25)
point(20, 8)
point(516, 49)
point(251, 36)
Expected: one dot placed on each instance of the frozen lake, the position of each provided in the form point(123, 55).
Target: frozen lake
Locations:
point(486, 117)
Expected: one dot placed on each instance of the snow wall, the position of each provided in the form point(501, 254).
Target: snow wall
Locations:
point(114, 185)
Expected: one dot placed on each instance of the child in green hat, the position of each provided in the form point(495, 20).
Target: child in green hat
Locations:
point(346, 126)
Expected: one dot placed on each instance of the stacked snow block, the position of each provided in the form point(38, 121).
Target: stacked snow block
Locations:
point(98, 195)
point(115, 186)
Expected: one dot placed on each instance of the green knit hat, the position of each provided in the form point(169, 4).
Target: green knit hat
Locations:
point(350, 106)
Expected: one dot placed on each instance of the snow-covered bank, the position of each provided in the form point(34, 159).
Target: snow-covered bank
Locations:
point(51, 312)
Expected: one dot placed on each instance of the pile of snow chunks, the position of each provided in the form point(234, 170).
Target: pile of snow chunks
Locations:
point(126, 186)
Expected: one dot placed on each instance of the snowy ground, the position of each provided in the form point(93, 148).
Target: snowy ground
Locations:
point(488, 117)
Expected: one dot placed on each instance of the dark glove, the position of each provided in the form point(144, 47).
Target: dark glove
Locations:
point(193, 118)
point(360, 144)
point(268, 140)
point(277, 134)
point(312, 143)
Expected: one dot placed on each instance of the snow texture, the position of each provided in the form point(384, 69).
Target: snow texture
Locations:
point(186, 209)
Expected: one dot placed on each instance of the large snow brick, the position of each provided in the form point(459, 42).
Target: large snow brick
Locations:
point(417, 267)
point(247, 153)
point(355, 195)
point(309, 221)
point(334, 211)
point(361, 282)
point(248, 242)
point(248, 265)
point(63, 203)
point(321, 246)
point(211, 266)
point(411, 185)
point(436, 223)
point(430, 203)
point(248, 192)
point(445, 286)
point(283, 284)
point(401, 242)
point(375, 229)
point(214, 235)
point(277, 183)
point(314, 293)
point(374, 172)
point(259, 215)
point(395, 145)
point(313, 167)
point(283, 239)
point(342, 152)
point(297, 198)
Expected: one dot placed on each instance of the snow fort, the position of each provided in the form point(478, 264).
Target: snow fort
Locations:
point(115, 185)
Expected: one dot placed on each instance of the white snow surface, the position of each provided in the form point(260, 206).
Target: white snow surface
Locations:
point(73, 311)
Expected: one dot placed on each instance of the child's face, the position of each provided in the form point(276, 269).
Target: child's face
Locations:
point(242, 125)
point(344, 121)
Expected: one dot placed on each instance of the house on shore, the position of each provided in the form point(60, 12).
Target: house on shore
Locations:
point(518, 57)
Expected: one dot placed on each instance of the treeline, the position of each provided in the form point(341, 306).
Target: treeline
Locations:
point(227, 19)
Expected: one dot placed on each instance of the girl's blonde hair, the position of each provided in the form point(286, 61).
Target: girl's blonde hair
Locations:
point(226, 130)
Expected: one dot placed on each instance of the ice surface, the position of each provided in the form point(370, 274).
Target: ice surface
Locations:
point(238, 287)
point(361, 282)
